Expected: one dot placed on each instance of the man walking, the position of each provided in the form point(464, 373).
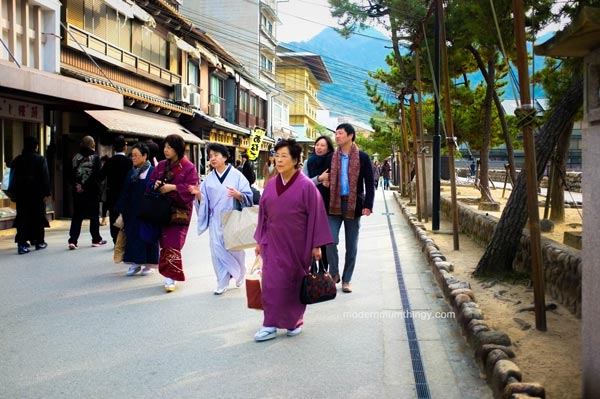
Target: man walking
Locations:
point(86, 192)
point(31, 185)
point(352, 191)
point(115, 170)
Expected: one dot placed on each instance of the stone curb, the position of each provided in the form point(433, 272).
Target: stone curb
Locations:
point(491, 348)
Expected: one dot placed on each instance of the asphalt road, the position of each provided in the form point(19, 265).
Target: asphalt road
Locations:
point(73, 326)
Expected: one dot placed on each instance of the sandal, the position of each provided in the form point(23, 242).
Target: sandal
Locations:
point(265, 334)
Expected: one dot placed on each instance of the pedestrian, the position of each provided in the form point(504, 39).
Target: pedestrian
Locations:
point(248, 169)
point(173, 176)
point(103, 205)
point(140, 254)
point(86, 178)
point(316, 168)
point(30, 184)
point(217, 194)
point(269, 170)
point(376, 173)
point(292, 227)
point(238, 164)
point(115, 170)
point(352, 191)
point(386, 173)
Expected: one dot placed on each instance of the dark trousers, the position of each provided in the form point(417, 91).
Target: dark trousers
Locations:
point(114, 231)
point(30, 222)
point(85, 208)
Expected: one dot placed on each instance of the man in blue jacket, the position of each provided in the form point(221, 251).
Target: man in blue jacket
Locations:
point(351, 195)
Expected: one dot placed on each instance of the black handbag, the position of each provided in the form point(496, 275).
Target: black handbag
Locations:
point(155, 208)
point(317, 286)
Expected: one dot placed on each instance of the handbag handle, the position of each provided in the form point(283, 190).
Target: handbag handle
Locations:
point(316, 266)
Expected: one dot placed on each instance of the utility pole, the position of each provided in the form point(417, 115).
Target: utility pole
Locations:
point(526, 114)
point(435, 192)
point(450, 140)
point(413, 119)
point(421, 135)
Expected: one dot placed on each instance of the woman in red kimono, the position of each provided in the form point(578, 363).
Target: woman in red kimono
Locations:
point(292, 227)
point(173, 176)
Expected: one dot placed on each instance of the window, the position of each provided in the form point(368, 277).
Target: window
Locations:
point(193, 72)
point(266, 24)
point(216, 89)
point(266, 63)
point(254, 105)
point(244, 100)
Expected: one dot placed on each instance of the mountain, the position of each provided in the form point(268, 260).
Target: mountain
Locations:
point(348, 62)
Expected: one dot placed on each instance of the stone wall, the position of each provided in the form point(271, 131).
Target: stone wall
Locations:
point(562, 264)
point(497, 175)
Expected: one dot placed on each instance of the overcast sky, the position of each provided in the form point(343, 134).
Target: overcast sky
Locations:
point(303, 19)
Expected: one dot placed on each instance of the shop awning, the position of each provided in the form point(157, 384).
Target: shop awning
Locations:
point(221, 123)
point(139, 123)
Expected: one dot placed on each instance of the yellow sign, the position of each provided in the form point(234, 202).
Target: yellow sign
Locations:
point(255, 141)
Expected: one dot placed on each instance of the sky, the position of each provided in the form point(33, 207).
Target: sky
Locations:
point(303, 19)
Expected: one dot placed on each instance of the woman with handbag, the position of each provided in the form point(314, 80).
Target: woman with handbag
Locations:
point(172, 177)
point(222, 186)
point(292, 227)
point(140, 254)
point(316, 168)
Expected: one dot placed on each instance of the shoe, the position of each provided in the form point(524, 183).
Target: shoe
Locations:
point(99, 243)
point(21, 249)
point(294, 332)
point(133, 269)
point(72, 246)
point(103, 222)
point(346, 287)
point(239, 283)
point(41, 245)
point(169, 285)
point(220, 291)
point(265, 334)
point(336, 278)
point(146, 271)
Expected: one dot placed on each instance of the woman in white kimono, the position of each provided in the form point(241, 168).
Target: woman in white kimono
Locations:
point(216, 194)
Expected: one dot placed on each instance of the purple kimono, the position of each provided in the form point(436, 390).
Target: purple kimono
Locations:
point(172, 237)
point(291, 222)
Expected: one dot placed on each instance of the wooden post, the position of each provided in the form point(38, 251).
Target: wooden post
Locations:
point(527, 112)
point(421, 134)
point(449, 125)
point(413, 119)
point(405, 151)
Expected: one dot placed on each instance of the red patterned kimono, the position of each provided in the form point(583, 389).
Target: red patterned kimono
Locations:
point(172, 237)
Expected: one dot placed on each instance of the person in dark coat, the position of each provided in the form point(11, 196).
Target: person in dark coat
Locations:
point(115, 170)
point(31, 184)
point(86, 178)
point(248, 169)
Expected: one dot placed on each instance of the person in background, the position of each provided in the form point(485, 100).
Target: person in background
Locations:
point(248, 169)
point(376, 173)
point(30, 184)
point(114, 170)
point(351, 195)
point(103, 206)
point(217, 193)
point(269, 170)
point(138, 252)
point(386, 173)
point(172, 176)
point(86, 178)
point(238, 164)
point(292, 228)
point(316, 168)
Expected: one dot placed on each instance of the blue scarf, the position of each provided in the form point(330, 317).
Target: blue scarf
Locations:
point(138, 171)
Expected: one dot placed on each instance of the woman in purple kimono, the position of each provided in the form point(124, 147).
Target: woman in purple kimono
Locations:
point(292, 227)
point(222, 186)
point(173, 176)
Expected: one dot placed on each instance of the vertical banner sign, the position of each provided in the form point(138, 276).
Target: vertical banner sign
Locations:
point(255, 140)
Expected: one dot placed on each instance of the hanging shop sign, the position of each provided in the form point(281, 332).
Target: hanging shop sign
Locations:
point(21, 111)
point(255, 141)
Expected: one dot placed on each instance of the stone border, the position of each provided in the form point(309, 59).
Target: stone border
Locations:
point(492, 348)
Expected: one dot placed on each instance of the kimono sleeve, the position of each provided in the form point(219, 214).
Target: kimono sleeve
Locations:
point(202, 210)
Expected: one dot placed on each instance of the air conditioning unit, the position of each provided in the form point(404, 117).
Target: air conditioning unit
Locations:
point(214, 109)
point(195, 100)
point(182, 93)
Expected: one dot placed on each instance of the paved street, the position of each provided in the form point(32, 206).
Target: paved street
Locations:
point(73, 326)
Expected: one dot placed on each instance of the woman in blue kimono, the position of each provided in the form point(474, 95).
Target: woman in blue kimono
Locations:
point(217, 193)
point(139, 254)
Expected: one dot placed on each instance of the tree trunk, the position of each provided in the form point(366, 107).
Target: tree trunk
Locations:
point(484, 181)
point(510, 154)
point(557, 195)
point(500, 251)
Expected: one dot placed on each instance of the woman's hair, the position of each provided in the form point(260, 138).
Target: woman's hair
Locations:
point(294, 148)
point(176, 142)
point(329, 142)
point(216, 147)
point(142, 148)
